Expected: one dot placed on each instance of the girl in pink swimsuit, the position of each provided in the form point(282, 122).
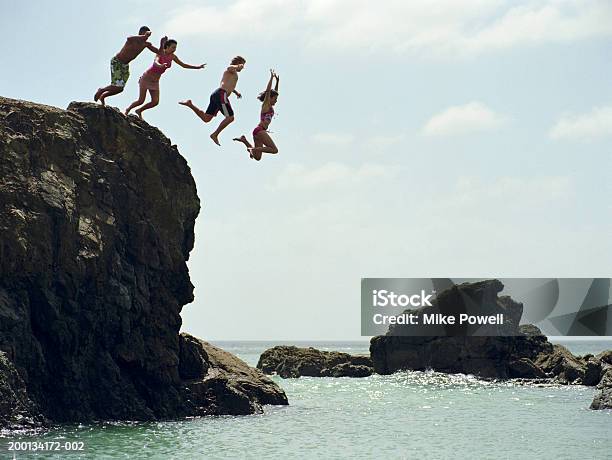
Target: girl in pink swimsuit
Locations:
point(150, 79)
point(261, 138)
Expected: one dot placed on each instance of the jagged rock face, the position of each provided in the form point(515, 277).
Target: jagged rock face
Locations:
point(293, 362)
point(603, 398)
point(16, 408)
point(96, 226)
point(97, 215)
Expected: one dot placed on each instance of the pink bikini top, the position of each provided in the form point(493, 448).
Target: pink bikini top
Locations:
point(266, 117)
point(163, 59)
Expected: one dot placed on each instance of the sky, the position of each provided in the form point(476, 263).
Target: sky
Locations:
point(444, 138)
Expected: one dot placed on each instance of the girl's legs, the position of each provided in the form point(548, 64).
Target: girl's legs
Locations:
point(140, 100)
point(263, 144)
point(244, 140)
point(205, 117)
point(154, 101)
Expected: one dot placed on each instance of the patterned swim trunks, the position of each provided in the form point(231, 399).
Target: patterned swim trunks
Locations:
point(120, 72)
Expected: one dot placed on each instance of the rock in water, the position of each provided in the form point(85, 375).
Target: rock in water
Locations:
point(527, 354)
point(97, 215)
point(227, 385)
point(603, 398)
point(292, 362)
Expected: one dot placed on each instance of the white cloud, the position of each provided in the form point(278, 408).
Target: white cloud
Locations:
point(428, 27)
point(333, 139)
point(298, 176)
point(471, 117)
point(588, 126)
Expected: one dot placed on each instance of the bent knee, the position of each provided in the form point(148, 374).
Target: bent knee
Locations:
point(274, 150)
point(230, 118)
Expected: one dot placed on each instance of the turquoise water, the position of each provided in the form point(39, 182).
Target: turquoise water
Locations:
point(405, 415)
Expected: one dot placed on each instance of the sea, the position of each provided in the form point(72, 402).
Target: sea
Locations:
point(407, 415)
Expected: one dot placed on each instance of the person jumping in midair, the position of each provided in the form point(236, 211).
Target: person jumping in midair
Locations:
point(120, 63)
point(261, 138)
point(219, 100)
point(149, 81)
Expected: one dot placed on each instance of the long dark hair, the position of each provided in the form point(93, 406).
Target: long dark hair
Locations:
point(169, 43)
point(262, 95)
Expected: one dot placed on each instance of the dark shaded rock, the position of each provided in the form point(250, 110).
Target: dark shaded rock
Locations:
point(293, 362)
point(471, 298)
point(97, 215)
point(562, 364)
point(592, 372)
point(193, 359)
point(229, 386)
point(349, 370)
point(603, 398)
point(525, 368)
point(16, 408)
point(605, 357)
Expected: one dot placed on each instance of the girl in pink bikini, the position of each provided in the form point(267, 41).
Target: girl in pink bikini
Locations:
point(261, 138)
point(150, 79)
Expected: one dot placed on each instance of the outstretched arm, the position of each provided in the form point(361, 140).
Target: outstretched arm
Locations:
point(144, 36)
point(277, 80)
point(187, 66)
point(266, 102)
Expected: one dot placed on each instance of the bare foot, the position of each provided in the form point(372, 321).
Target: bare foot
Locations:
point(139, 113)
point(188, 103)
point(102, 101)
point(242, 139)
point(97, 95)
point(127, 112)
point(214, 137)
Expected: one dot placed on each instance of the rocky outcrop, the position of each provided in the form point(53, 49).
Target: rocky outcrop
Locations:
point(97, 215)
point(293, 362)
point(524, 353)
point(219, 383)
point(603, 398)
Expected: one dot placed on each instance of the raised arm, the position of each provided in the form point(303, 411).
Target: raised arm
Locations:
point(187, 66)
point(162, 42)
point(277, 80)
point(266, 102)
point(235, 67)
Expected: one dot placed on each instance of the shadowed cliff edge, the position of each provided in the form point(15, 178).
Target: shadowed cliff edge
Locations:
point(97, 215)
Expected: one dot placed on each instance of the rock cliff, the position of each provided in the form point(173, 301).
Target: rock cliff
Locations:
point(97, 215)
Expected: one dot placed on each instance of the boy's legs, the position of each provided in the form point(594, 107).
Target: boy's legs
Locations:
point(226, 121)
point(120, 73)
point(205, 117)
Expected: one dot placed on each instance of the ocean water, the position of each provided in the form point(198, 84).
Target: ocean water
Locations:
point(405, 415)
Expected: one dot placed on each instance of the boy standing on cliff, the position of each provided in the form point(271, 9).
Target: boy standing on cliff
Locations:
point(120, 64)
point(219, 100)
